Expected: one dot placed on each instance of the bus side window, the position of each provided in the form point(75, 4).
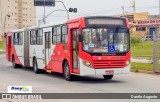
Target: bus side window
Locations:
point(39, 34)
point(74, 38)
point(64, 34)
point(15, 39)
point(33, 37)
point(20, 38)
point(47, 40)
point(58, 34)
point(54, 32)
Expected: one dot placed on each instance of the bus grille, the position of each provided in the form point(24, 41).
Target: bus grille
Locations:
point(108, 64)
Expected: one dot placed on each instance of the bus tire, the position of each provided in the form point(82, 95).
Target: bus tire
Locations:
point(66, 72)
point(107, 77)
point(35, 66)
point(14, 63)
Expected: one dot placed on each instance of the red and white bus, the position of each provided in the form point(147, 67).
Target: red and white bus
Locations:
point(84, 46)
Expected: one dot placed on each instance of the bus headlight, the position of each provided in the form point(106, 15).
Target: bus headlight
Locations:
point(87, 63)
point(127, 63)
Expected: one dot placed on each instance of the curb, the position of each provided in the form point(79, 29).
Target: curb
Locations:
point(138, 60)
point(144, 71)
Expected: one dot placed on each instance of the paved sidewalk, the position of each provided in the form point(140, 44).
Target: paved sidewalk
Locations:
point(140, 60)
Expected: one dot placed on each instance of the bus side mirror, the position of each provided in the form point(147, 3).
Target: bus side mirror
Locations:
point(80, 38)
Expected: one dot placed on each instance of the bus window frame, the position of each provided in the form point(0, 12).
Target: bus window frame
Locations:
point(60, 35)
point(31, 42)
point(41, 40)
point(64, 35)
point(20, 40)
point(54, 35)
point(36, 36)
point(111, 27)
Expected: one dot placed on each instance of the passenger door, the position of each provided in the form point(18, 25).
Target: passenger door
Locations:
point(75, 49)
point(47, 49)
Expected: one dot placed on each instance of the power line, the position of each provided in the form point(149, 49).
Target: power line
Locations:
point(149, 7)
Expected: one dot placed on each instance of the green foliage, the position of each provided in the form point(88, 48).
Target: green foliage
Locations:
point(143, 49)
point(135, 40)
point(141, 66)
point(1, 44)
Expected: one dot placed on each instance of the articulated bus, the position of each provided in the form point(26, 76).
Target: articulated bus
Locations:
point(86, 46)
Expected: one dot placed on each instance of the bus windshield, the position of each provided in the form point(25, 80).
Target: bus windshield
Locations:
point(106, 40)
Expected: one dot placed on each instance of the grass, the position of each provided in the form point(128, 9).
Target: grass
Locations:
point(141, 66)
point(1, 46)
point(142, 49)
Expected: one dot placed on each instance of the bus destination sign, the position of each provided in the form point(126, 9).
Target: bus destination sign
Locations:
point(105, 22)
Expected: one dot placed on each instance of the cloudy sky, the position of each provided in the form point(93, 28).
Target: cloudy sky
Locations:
point(97, 7)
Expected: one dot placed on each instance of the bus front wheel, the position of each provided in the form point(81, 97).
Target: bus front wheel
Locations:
point(66, 72)
point(107, 77)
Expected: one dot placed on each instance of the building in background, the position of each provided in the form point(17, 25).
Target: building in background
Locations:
point(22, 14)
point(133, 18)
point(152, 28)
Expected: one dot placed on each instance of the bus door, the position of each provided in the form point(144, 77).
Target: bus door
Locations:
point(8, 47)
point(75, 49)
point(47, 49)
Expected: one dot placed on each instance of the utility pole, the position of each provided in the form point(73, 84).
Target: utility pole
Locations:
point(5, 23)
point(155, 46)
point(133, 6)
point(44, 20)
point(126, 14)
point(123, 10)
point(159, 7)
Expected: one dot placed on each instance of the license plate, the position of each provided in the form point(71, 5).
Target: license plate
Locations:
point(110, 72)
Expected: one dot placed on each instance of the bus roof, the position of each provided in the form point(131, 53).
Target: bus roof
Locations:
point(64, 22)
point(77, 19)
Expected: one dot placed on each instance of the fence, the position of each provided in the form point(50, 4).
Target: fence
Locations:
point(147, 47)
point(156, 51)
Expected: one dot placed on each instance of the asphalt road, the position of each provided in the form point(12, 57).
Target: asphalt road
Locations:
point(55, 83)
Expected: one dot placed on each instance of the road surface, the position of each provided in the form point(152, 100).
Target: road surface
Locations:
point(55, 83)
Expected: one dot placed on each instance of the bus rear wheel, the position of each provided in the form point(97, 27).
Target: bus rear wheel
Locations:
point(107, 77)
point(66, 72)
point(14, 63)
point(35, 66)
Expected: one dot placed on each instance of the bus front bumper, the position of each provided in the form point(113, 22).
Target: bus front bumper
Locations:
point(87, 71)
